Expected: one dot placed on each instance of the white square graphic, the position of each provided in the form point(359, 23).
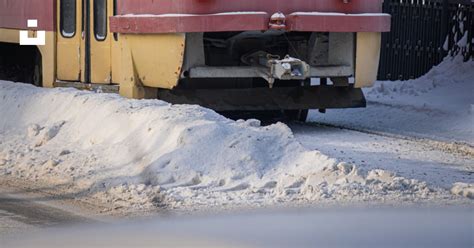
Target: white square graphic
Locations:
point(32, 23)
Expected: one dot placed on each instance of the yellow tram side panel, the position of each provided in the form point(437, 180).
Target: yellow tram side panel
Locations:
point(150, 61)
point(368, 46)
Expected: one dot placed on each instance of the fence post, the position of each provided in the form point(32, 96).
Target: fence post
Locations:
point(445, 33)
point(470, 37)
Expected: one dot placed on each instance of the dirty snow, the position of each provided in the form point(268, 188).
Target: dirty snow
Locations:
point(143, 154)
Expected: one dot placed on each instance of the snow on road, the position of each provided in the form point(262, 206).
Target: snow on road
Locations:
point(439, 105)
point(143, 154)
point(422, 128)
point(411, 158)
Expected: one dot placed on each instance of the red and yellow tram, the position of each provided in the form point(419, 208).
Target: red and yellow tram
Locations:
point(226, 55)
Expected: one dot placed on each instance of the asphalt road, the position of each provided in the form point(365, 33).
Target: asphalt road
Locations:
point(21, 213)
point(299, 228)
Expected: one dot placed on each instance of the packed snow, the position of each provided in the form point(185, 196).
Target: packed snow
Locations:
point(438, 105)
point(148, 154)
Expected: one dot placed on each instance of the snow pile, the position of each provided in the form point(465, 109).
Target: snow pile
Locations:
point(147, 153)
point(464, 189)
point(448, 86)
point(443, 98)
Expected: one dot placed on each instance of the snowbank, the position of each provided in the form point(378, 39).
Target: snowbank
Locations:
point(147, 153)
point(448, 87)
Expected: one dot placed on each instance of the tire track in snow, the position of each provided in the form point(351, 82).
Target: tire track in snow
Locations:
point(456, 148)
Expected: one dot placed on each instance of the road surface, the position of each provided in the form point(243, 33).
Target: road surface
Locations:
point(301, 228)
point(25, 212)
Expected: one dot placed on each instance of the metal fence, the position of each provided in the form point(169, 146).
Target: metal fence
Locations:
point(423, 33)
